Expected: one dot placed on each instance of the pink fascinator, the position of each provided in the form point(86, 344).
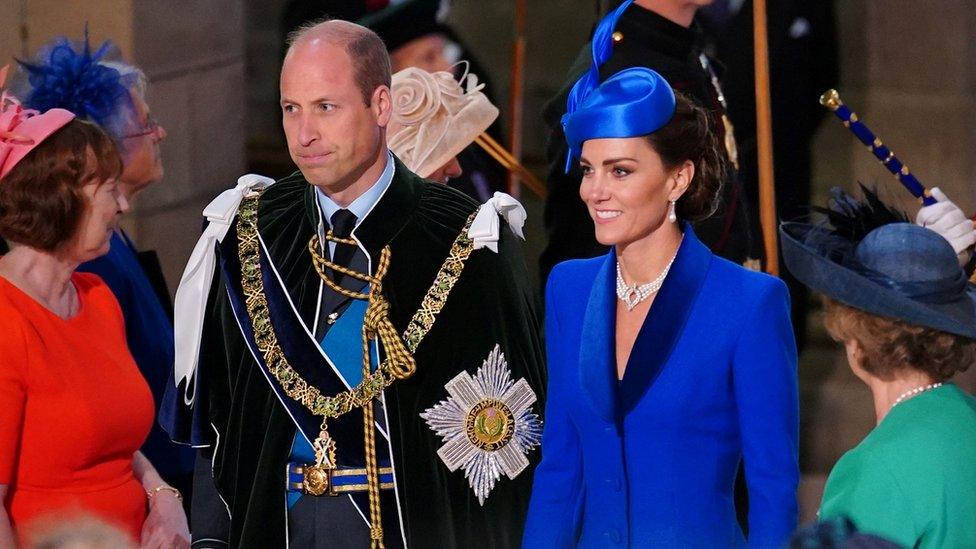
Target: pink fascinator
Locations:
point(23, 129)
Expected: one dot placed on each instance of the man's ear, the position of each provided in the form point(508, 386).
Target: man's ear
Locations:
point(382, 105)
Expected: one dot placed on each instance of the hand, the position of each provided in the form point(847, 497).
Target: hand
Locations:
point(165, 527)
point(945, 218)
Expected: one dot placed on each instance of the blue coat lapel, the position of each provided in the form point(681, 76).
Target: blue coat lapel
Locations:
point(665, 321)
point(658, 335)
point(596, 356)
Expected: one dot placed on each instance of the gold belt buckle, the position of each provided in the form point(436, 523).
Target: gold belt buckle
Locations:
point(317, 480)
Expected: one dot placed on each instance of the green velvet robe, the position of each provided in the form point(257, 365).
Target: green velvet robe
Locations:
point(492, 303)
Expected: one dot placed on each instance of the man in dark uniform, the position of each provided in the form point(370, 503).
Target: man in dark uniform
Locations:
point(803, 63)
point(658, 34)
point(320, 424)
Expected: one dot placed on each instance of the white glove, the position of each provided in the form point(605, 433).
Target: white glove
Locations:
point(945, 218)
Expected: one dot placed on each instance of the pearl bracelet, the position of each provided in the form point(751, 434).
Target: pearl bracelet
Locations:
point(163, 488)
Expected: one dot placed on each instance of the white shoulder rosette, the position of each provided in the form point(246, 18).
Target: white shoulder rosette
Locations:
point(486, 228)
point(191, 297)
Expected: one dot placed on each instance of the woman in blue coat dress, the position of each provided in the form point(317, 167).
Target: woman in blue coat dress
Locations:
point(667, 365)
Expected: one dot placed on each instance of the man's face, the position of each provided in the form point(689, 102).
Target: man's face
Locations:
point(333, 136)
point(429, 52)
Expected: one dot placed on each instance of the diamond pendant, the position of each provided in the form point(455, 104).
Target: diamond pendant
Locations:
point(632, 298)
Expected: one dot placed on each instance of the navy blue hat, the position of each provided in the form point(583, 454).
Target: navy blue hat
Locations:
point(633, 102)
point(896, 270)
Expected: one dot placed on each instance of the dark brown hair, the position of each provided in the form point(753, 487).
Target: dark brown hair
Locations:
point(41, 200)
point(690, 136)
point(891, 345)
point(366, 50)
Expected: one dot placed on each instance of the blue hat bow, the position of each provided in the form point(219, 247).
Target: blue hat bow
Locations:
point(633, 102)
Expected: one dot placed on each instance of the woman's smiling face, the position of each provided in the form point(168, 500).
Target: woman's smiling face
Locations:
point(627, 188)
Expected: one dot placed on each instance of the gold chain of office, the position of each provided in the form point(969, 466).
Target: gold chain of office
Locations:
point(398, 364)
point(371, 387)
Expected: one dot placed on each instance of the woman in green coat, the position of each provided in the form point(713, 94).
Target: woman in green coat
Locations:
point(897, 298)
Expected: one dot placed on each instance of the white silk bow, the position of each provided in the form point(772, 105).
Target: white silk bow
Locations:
point(191, 297)
point(486, 227)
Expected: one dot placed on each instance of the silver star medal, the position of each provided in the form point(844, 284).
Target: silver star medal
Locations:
point(487, 424)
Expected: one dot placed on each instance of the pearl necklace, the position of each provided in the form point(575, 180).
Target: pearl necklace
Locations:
point(913, 392)
point(632, 294)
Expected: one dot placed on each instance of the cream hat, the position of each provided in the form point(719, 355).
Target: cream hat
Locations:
point(435, 117)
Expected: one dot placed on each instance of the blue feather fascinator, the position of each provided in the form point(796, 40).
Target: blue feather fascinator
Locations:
point(633, 102)
point(76, 78)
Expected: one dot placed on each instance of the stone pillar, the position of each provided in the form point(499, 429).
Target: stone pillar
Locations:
point(25, 25)
point(193, 54)
point(920, 91)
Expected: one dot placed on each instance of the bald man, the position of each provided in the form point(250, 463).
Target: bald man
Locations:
point(351, 256)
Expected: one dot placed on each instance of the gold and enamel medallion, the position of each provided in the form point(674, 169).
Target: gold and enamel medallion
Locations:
point(489, 425)
point(316, 479)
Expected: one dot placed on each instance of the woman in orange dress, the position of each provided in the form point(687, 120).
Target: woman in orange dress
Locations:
point(74, 409)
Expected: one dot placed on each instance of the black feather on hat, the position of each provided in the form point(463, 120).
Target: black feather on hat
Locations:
point(869, 257)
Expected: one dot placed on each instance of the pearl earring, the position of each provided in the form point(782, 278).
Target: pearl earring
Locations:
point(672, 217)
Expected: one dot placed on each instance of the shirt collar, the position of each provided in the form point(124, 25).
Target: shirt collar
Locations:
point(364, 204)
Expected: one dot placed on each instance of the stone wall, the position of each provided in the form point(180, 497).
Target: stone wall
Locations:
point(917, 78)
point(193, 54)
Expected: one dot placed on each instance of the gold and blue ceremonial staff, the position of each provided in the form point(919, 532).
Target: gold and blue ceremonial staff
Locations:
point(831, 100)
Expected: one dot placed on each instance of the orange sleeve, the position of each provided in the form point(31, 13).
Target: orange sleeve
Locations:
point(13, 395)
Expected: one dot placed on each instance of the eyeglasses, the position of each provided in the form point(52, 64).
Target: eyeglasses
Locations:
point(151, 128)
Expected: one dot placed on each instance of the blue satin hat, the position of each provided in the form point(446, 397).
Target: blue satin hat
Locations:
point(633, 102)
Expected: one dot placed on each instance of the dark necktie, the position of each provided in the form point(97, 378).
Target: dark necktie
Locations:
point(343, 222)
point(345, 255)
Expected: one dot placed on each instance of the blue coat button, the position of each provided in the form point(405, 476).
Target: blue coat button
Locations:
point(614, 535)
